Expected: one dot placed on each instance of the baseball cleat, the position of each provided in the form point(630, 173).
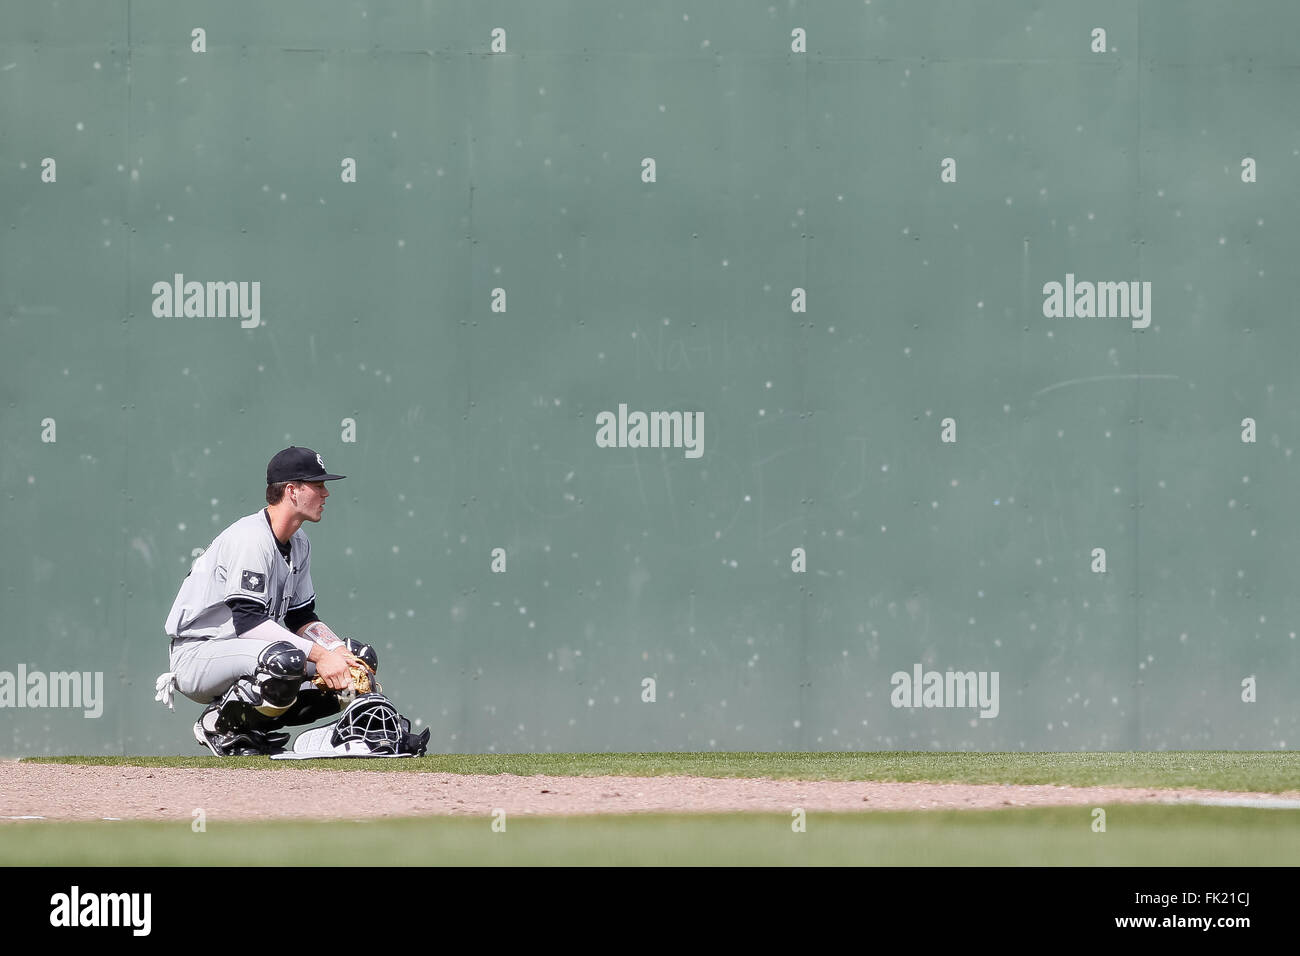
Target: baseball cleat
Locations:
point(247, 743)
point(202, 734)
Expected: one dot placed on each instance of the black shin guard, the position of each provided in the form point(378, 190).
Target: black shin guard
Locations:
point(313, 704)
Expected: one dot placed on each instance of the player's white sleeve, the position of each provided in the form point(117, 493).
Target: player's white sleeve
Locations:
point(270, 632)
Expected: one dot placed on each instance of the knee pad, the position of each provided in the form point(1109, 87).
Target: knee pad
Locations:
point(258, 702)
point(281, 667)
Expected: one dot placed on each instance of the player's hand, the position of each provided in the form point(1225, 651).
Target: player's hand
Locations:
point(333, 668)
point(354, 661)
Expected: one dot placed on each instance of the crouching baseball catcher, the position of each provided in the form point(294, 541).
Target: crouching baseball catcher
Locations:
point(245, 638)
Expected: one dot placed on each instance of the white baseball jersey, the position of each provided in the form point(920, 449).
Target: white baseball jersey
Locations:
point(241, 562)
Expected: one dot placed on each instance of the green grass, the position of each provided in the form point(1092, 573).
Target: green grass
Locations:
point(1147, 835)
point(1268, 771)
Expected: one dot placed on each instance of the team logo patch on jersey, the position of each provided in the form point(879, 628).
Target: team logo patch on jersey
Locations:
point(253, 581)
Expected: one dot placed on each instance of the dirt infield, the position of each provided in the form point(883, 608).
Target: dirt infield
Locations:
point(65, 792)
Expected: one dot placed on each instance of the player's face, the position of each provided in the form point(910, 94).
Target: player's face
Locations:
point(311, 500)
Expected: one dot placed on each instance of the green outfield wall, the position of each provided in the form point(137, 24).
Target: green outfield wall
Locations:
point(965, 336)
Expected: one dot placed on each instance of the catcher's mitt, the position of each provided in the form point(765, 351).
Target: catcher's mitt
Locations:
point(363, 681)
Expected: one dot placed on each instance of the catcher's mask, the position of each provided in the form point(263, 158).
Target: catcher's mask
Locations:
point(372, 721)
point(370, 726)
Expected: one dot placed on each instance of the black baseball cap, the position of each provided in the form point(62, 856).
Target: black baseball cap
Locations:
point(297, 464)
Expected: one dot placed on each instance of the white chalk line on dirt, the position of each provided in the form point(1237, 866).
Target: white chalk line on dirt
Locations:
point(1261, 804)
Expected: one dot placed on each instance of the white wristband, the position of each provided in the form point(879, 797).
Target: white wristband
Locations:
point(320, 632)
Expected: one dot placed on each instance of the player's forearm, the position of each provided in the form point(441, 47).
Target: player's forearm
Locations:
point(271, 632)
